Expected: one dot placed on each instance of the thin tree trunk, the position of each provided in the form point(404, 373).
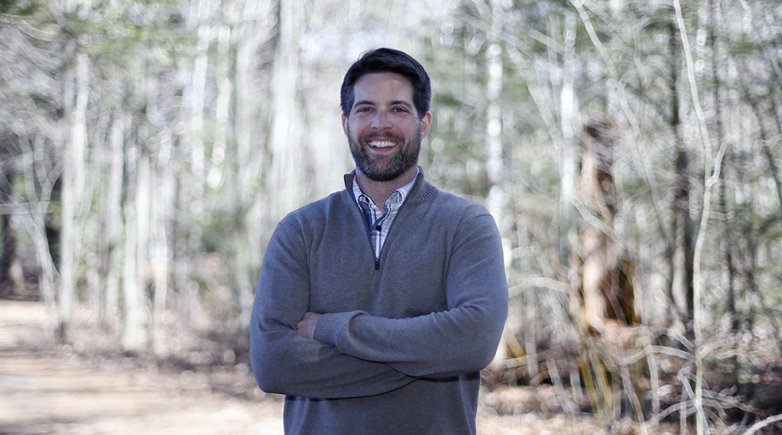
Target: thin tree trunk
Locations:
point(681, 246)
point(144, 280)
point(250, 154)
point(201, 11)
point(112, 215)
point(72, 185)
point(131, 309)
point(39, 183)
point(222, 130)
point(711, 174)
point(568, 155)
point(8, 174)
point(495, 166)
point(159, 252)
point(288, 180)
point(728, 227)
point(136, 210)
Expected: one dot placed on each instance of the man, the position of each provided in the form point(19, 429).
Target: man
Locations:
point(378, 305)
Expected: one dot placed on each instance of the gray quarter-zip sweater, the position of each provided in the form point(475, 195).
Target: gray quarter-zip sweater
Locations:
point(403, 337)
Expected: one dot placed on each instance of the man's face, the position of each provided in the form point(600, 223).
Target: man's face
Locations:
point(383, 127)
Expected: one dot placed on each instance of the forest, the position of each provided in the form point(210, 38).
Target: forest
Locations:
point(629, 151)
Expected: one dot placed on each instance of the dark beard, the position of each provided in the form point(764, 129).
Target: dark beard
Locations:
point(406, 158)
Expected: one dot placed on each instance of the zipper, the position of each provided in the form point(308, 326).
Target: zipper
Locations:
point(368, 233)
point(380, 220)
point(379, 228)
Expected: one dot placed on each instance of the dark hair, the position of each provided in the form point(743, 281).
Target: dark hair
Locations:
point(388, 60)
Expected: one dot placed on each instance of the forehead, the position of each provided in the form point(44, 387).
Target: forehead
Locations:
point(377, 87)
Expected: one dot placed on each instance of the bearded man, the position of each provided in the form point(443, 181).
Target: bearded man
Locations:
point(378, 305)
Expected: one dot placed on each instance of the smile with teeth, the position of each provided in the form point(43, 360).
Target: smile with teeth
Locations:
point(377, 143)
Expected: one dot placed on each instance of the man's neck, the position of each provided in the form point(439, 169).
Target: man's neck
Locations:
point(379, 191)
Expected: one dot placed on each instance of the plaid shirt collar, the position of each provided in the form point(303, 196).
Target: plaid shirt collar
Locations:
point(392, 203)
point(379, 221)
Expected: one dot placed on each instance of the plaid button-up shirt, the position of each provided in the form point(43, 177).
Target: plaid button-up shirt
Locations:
point(379, 221)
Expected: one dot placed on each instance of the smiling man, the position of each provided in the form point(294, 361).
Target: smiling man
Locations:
point(378, 305)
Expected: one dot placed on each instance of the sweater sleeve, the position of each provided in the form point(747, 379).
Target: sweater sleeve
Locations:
point(287, 363)
point(461, 339)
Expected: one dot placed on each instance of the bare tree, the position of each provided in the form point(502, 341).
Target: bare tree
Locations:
point(8, 174)
point(76, 97)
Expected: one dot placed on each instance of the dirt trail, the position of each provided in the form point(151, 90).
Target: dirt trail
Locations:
point(44, 392)
point(45, 389)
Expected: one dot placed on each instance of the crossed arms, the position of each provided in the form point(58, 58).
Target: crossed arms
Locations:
point(355, 354)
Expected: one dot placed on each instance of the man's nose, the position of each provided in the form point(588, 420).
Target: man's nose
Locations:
point(381, 121)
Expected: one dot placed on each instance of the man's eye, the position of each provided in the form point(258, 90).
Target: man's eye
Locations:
point(400, 109)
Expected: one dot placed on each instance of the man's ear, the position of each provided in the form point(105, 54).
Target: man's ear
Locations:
point(345, 123)
point(426, 123)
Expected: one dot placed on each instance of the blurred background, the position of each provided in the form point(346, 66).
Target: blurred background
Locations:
point(629, 151)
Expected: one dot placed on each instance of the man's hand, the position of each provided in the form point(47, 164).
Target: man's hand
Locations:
point(307, 324)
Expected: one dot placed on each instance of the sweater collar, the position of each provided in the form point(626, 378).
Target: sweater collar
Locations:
point(420, 192)
point(350, 178)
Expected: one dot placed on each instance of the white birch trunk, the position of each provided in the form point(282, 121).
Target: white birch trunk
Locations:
point(161, 199)
point(495, 166)
point(130, 286)
point(135, 336)
point(72, 185)
point(112, 209)
point(568, 111)
point(222, 107)
point(199, 17)
point(287, 178)
point(253, 31)
point(135, 275)
point(159, 253)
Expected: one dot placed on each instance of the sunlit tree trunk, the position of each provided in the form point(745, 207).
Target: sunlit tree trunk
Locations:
point(496, 201)
point(606, 272)
point(568, 158)
point(135, 277)
point(249, 126)
point(288, 179)
point(161, 201)
point(200, 21)
point(568, 111)
point(111, 210)
point(131, 307)
point(135, 298)
point(73, 183)
point(222, 132)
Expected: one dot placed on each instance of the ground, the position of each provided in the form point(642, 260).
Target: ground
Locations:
point(46, 388)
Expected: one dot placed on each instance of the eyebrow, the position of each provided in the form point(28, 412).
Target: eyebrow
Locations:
point(392, 103)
